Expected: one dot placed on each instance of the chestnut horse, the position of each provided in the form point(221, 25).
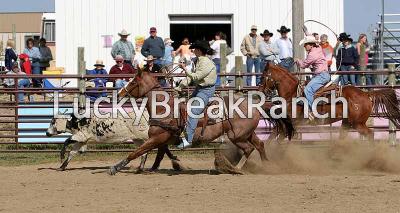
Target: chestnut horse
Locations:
point(163, 131)
point(360, 103)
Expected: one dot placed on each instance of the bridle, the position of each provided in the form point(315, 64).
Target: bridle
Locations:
point(267, 77)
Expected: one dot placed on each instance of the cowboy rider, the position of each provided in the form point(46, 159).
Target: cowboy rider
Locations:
point(204, 78)
point(317, 62)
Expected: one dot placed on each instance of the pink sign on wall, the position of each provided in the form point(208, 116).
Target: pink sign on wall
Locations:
point(107, 41)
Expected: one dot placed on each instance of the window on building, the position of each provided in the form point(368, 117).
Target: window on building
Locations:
point(49, 30)
point(200, 27)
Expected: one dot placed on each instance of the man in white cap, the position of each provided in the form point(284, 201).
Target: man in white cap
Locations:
point(249, 48)
point(124, 48)
point(121, 68)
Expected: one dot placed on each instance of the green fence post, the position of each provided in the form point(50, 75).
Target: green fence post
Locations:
point(392, 82)
point(82, 72)
point(238, 72)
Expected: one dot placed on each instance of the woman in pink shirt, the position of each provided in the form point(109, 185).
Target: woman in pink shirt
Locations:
point(317, 62)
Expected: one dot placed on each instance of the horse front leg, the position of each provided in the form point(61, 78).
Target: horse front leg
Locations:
point(152, 143)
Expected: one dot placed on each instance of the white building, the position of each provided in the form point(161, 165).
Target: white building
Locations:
point(86, 23)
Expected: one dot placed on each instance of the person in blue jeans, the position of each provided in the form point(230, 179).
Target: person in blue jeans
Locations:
point(22, 82)
point(317, 62)
point(250, 48)
point(204, 78)
point(347, 59)
point(34, 57)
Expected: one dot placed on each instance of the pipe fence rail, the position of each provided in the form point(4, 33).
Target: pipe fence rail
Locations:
point(24, 123)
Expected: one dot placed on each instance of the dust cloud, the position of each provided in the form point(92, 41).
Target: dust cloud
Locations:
point(338, 157)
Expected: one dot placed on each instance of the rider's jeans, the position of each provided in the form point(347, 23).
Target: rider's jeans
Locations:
point(205, 94)
point(315, 83)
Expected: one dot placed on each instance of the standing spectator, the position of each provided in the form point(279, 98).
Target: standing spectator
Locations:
point(268, 51)
point(249, 48)
point(169, 52)
point(327, 49)
point(347, 58)
point(154, 46)
point(124, 48)
point(99, 82)
point(22, 82)
point(121, 68)
point(34, 57)
point(220, 38)
point(10, 54)
point(154, 68)
point(183, 51)
point(45, 52)
point(363, 43)
point(284, 43)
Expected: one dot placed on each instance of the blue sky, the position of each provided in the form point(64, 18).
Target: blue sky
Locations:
point(360, 15)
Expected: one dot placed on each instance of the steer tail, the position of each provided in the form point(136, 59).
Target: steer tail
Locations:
point(283, 126)
point(385, 104)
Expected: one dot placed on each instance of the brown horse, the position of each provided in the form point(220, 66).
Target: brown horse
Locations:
point(360, 103)
point(240, 131)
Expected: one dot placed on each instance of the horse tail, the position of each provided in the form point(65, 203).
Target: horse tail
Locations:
point(385, 101)
point(281, 125)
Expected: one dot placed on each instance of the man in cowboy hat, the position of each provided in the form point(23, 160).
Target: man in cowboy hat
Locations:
point(346, 58)
point(284, 43)
point(249, 48)
point(154, 68)
point(268, 51)
point(204, 78)
point(124, 48)
point(121, 68)
point(154, 46)
point(97, 82)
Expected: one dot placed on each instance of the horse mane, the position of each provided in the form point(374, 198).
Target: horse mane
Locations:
point(285, 72)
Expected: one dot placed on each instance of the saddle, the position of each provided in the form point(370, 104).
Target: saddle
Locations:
point(324, 91)
point(177, 125)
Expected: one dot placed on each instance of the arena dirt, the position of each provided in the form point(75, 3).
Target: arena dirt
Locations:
point(343, 177)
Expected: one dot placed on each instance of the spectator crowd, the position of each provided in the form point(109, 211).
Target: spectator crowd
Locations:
point(258, 48)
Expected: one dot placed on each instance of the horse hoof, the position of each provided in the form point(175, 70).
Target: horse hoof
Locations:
point(61, 169)
point(112, 170)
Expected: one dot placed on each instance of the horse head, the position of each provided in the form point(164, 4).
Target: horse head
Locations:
point(138, 86)
point(275, 77)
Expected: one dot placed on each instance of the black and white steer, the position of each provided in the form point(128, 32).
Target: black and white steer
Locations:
point(105, 130)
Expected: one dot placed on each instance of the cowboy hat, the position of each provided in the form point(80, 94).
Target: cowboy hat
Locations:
point(123, 33)
point(203, 45)
point(149, 58)
point(283, 29)
point(99, 63)
point(344, 37)
point(308, 40)
point(253, 27)
point(266, 32)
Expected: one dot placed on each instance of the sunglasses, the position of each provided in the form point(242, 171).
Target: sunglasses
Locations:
point(119, 61)
point(254, 29)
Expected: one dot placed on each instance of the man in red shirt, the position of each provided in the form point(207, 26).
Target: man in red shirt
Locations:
point(121, 68)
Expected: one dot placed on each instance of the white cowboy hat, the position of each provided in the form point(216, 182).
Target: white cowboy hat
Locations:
point(307, 40)
point(168, 40)
point(124, 33)
point(99, 63)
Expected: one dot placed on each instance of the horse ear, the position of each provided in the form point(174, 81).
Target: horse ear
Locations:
point(266, 66)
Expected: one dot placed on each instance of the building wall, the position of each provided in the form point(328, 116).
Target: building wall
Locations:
point(83, 22)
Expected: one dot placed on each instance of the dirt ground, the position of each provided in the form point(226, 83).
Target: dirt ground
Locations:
point(339, 178)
